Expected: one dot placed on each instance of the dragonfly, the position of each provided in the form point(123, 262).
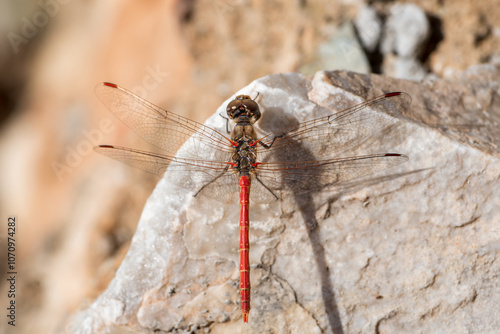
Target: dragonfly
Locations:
point(242, 166)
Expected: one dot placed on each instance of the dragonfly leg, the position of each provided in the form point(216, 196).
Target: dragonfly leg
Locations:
point(257, 178)
point(227, 123)
point(274, 139)
point(212, 181)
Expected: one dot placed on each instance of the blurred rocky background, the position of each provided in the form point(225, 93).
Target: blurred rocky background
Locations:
point(77, 211)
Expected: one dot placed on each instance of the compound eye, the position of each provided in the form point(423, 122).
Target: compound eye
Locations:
point(232, 107)
point(253, 109)
point(251, 105)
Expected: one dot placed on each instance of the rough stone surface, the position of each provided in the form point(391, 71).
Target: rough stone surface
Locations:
point(412, 249)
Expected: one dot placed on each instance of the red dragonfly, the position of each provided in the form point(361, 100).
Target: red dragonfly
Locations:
point(295, 159)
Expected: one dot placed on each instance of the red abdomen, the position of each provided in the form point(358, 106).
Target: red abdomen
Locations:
point(244, 247)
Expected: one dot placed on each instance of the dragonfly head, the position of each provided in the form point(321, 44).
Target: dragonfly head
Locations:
point(243, 108)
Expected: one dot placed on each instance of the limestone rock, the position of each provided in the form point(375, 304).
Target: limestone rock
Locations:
point(406, 31)
point(411, 249)
point(369, 27)
point(341, 51)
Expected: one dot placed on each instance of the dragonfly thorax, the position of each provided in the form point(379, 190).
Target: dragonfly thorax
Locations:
point(244, 111)
point(244, 156)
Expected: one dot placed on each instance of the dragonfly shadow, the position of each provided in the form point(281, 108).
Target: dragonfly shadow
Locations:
point(306, 207)
point(275, 118)
point(308, 210)
point(302, 175)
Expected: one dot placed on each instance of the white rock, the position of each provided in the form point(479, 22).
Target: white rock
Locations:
point(404, 68)
point(369, 27)
point(412, 251)
point(406, 30)
point(341, 51)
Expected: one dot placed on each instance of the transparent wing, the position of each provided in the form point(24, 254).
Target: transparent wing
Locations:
point(162, 128)
point(305, 176)
point(299, 159)
point(324, 137)
point(214, 178)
